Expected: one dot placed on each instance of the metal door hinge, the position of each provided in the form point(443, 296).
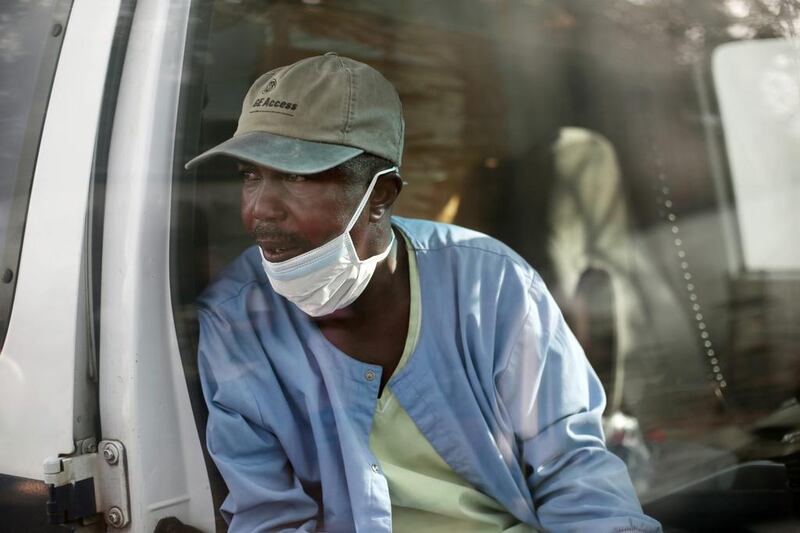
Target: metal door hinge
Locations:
point(89, 484)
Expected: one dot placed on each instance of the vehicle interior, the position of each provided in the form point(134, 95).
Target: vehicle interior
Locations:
point(622, 149)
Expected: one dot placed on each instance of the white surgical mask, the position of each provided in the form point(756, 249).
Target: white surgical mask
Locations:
point(329, 277)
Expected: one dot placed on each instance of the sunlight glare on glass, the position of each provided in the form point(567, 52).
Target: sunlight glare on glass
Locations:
point(737, 8)
point(741, 31)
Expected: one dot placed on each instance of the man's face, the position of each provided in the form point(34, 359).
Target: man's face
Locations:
point(289, 214)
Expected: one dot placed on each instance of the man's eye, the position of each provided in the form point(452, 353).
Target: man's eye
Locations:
point(294, 178)
point(248, 175)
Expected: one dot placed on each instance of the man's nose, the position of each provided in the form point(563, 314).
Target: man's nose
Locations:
point(268, 200)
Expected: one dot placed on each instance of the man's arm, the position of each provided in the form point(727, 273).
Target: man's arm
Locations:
point(265, 494)
point(555, 402)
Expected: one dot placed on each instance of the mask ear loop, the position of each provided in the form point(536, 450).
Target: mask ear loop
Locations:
point(365, 199)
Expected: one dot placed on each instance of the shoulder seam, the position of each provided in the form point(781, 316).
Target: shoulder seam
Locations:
point(528, 270)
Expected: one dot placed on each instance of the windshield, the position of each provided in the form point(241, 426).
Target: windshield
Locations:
point(640, 154)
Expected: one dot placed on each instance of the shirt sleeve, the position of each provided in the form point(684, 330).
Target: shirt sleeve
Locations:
point(264, 493)
point(555, 402)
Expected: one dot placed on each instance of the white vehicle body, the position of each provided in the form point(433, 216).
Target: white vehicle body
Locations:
point(142, 390)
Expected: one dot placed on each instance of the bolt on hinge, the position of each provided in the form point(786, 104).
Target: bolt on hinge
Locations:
point(84, 446)
point(89, 484)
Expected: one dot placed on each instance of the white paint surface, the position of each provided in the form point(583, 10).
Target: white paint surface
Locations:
point(144, 401)
point(38, 358)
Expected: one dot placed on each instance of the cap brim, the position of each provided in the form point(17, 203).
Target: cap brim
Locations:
point(283, 154)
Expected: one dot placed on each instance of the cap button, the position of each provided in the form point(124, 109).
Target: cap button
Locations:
point(331, 54)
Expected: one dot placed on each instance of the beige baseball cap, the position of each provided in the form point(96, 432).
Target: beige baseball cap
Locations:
point(314, 115)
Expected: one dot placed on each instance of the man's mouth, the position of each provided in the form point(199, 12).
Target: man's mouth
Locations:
point(277, 252)
point(277, 244)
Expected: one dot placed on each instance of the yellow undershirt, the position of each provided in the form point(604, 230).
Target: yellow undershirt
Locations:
point(426, 494)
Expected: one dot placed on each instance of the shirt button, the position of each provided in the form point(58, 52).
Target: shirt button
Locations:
point(369, 375)
point(375, 468)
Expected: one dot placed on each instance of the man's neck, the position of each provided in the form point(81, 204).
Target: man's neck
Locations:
point(374, 327)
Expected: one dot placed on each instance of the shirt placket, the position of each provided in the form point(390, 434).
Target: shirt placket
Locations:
point(358, 384)
point(375, 513)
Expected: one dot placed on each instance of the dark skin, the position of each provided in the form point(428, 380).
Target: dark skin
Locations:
point(290, 214)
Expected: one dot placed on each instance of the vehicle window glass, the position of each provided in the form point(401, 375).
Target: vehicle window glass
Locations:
point(31, 33)
point(640, 154)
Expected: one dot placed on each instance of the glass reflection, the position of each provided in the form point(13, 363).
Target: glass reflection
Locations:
point(641, 154)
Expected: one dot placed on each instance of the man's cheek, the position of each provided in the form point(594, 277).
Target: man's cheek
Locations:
point(246, 217)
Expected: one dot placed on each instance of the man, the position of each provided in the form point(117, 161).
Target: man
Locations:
point(370, 373)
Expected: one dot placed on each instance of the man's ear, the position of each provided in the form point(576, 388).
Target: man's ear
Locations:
point(384, 194)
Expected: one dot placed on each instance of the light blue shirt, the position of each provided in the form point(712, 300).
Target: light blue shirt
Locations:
point(497, 384)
